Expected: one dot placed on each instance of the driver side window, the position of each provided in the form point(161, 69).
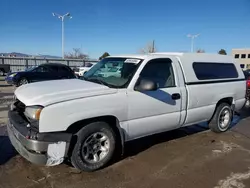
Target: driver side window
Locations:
point(159, 71)
point(41, 69)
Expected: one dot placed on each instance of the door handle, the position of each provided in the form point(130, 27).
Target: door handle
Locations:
point(176, 96)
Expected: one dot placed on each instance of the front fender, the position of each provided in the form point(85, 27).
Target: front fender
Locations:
point(59, 116)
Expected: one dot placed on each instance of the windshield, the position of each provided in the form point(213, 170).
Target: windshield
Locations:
point(31, 68)
point(113, 72)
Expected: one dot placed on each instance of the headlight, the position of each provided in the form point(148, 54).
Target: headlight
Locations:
point(12, 75)
point(33, 112)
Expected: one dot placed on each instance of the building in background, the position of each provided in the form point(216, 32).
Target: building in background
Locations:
point(243, 56)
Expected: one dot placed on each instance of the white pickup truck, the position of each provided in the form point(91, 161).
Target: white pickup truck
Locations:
point(88, 121)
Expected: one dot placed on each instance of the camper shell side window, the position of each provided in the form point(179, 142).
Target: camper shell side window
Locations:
point(214, 71)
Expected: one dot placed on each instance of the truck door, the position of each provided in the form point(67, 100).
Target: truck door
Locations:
point(156, 111)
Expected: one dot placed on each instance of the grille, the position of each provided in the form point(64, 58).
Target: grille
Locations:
point(20, 107)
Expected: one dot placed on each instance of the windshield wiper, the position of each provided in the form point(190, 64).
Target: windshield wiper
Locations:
point(96, 80)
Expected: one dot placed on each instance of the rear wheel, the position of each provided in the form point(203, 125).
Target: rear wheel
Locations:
point(23, 81)
point(222, 118)
point(94, 148)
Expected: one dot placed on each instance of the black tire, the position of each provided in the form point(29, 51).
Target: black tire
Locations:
point(83, 135)
point(22, 81)
point(215, 124)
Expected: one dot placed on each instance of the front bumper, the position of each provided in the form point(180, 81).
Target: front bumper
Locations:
point(35, 151)
point(10, 81)
point(24, 147)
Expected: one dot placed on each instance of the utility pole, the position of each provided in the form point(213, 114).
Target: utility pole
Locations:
point(62, 19)
point(192, 40)
point(153, 48)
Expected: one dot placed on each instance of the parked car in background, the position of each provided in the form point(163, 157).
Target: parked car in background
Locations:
point(247, 77)
point(76, 71)
point(4, 69)
point(88, 121)
point(44, 72)
point(82, 70)
point(114, 71)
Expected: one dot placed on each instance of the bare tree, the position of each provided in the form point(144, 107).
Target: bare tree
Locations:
point(76, 54)
point(149, 48)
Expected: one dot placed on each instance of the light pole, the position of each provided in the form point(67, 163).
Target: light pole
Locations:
point(192, 40)
point(61, 17)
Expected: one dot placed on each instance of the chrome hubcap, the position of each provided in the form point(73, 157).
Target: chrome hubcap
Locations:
point(224, 118)
point(96, 147)
point(24, 81)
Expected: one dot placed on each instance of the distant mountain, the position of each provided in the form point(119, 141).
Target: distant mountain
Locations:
point(48, 56)
point(17, 54)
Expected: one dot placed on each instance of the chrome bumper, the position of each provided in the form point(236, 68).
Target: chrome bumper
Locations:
point(32, 150)
point(25, 147)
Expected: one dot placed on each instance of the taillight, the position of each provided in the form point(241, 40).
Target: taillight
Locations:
point(248, 83)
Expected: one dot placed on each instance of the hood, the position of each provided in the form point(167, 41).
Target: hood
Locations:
point(18, 72)
point(48, 92)
point(11, 73)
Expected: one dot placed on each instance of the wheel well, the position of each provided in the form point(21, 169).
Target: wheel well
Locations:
point(23, 77)
point(19, 79)
point(111, 120)
point(228, 100)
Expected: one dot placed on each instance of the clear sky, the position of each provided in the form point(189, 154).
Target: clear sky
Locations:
point(123, 26)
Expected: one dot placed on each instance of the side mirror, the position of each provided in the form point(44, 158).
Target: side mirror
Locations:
point(146, 85)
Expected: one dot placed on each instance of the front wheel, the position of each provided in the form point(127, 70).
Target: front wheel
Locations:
point(94, 148)
point(23, 81)
point(222, 118)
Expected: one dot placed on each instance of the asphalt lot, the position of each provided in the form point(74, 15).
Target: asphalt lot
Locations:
point(190, 157)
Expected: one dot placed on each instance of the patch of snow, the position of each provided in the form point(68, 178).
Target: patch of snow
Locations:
point(225, 148)
point(234, 180)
